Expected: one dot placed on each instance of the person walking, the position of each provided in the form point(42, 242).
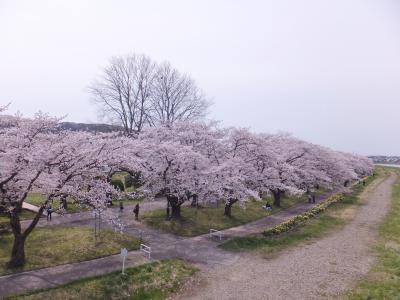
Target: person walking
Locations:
point(309, 198)
point(168, 212)
point(121, 207)
point(313, 198)
point(49, 212)
point(136, 211)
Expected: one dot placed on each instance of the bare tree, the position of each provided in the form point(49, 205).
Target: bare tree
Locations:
point(123, 91)
point(176, 97)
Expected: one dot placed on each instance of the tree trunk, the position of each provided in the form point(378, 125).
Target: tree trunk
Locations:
point(194, 201)
point(277, 197)
point(17, 253)
point(228, 207)
point(18, 249)
point(175, 205)
point(175, 212)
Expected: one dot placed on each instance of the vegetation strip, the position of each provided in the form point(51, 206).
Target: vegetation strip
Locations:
point(156, 280)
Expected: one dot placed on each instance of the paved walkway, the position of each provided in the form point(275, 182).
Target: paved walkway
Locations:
point(199, 250)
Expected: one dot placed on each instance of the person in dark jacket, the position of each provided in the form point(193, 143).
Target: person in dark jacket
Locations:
point(136, 211)
point(49, 212)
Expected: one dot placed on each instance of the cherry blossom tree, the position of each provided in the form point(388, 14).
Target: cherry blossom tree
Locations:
point(236, 164)
point(187, 161)
point(36, 156)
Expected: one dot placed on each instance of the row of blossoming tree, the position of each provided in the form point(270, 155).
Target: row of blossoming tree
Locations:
point(196, 162)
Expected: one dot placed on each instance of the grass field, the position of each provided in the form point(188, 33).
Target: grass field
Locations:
point(25, 215)
point(38, 199)
point(196, 221)
point(59, 245)
point(383, 282)
point(155, 281)
point(331, 219)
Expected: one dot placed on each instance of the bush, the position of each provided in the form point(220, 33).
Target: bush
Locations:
point(133, 180)
point(297, 220)
point(129, 181)
point(117, 183)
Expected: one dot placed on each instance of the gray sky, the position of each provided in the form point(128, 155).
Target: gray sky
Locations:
point(326, 71)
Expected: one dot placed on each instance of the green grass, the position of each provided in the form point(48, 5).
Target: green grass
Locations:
point(155, 281)
point(121, 176)
point(24, 215)
point(38, 199)
point(59, 245)
point(383, 282)
point(333, 218)
point(271, 245)
point(197, 221)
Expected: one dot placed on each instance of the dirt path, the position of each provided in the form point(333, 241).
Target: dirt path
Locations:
point(324, 269)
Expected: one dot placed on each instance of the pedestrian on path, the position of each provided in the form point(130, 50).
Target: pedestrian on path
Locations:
point(168, 212)
point(309, 198)
point(121, 207)
point(49, 212)
point(313, 198)
point(136, 211)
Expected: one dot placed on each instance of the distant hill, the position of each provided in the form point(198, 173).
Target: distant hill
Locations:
point(105, 128)
point(382, 159)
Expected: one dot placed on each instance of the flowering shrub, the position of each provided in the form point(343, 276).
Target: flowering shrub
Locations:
point(299, 219)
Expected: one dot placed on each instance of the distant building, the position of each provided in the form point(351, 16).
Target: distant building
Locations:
point(104, 128)
point(383, 159)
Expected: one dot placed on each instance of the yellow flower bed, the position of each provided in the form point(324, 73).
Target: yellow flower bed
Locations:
point(296, 220)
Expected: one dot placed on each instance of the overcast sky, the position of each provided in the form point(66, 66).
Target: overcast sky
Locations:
point(326, 71)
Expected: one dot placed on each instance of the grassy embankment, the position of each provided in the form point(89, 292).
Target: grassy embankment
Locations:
point(47, 247)
point(383, 281)
point(333, 218)
point(197, 221)
point(156, 280)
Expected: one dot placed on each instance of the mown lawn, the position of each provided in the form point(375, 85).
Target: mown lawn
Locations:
point(156, 280)
point(197, 221)
point(331, 219)
point(59, 245)
point(383, 282)
point(38, 199)
point(24, 215)
point(5, 220)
